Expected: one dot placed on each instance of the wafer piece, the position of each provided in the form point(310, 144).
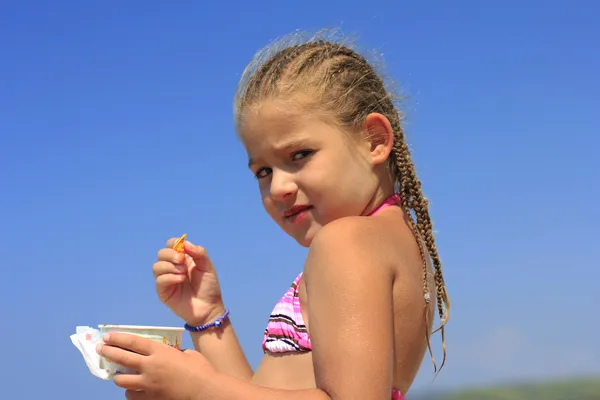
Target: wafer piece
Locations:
point(178, 246)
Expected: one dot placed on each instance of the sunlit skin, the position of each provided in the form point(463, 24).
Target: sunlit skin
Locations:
point(336, 178)
point(308, 162)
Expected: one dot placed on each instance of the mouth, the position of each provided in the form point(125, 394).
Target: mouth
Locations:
point(296, 212)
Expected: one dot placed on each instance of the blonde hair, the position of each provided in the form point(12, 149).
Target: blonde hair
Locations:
point(343, 84)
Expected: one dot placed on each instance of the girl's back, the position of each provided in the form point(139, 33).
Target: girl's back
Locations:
point(388, 239)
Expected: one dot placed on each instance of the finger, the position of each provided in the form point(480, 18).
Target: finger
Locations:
point(137, 344)
point(164, 267)
point(171, 242)
point(132, 382)
point(167, 280)
point(170, 255)
point(121, 356)
point(137, 395)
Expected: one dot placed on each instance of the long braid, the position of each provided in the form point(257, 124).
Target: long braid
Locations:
point(413, 199)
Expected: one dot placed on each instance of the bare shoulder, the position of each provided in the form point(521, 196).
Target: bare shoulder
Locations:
point(355, 239)
point(365, 242)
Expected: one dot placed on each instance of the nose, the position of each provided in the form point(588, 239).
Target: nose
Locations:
point(282, 185)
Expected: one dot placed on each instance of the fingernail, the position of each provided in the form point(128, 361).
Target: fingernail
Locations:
point(180, 267)
point(99, 348)
point(106, 337)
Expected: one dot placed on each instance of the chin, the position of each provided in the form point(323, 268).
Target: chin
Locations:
point(305, 238)
point(304, 242)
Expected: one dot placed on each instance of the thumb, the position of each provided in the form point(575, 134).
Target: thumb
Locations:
point(199, 256)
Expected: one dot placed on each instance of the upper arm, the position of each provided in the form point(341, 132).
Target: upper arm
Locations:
point(350, 313)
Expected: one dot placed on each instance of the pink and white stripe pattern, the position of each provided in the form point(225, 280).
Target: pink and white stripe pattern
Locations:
point(286, 330)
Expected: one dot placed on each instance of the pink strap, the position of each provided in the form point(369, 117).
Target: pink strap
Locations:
point(390, 201)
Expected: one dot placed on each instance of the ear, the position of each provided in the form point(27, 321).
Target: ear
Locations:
point(380, 136)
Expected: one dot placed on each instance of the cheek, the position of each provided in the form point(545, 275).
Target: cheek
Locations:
point(335, 175)
point(345, 187)
point(263, 190)
point(319, 174)
point(266, 201)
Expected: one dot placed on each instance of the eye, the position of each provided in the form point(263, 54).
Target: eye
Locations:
point(299, 155)
point(261, 173)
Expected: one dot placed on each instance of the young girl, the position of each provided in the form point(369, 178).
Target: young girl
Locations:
point(326, 146)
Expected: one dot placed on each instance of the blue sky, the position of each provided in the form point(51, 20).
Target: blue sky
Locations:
point(116, 133)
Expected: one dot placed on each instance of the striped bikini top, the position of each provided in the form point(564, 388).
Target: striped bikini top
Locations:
point(286, 330)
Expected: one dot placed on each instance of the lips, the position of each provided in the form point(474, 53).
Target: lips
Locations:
point(294, 211)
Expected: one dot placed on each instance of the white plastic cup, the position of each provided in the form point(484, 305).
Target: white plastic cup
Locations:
point(161, 334)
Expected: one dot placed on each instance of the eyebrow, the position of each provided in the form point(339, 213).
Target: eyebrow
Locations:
point(294, 143)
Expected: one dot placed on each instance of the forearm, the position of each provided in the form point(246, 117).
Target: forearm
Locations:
point(222, 349)
point(226, 387)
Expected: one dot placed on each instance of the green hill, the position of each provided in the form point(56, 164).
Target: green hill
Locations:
point(581, 389)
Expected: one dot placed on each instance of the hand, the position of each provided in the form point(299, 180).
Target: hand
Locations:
point(164, 372)
point(188, 284)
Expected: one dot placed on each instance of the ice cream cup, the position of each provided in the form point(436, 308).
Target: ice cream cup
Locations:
point(161, 334)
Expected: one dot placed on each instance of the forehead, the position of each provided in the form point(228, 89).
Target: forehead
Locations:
point(267, 118)
point(274, 126)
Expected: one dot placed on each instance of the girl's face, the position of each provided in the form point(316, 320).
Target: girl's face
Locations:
point(309, 172)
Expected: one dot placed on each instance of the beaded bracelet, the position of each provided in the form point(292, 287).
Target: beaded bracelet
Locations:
point(216, 323)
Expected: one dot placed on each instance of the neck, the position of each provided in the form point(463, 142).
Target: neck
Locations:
point(385, 188)
point(378, 198)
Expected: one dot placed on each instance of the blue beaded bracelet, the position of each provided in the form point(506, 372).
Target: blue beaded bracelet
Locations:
point(216, 323)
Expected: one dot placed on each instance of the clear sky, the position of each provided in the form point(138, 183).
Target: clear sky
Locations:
point(116, 133)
